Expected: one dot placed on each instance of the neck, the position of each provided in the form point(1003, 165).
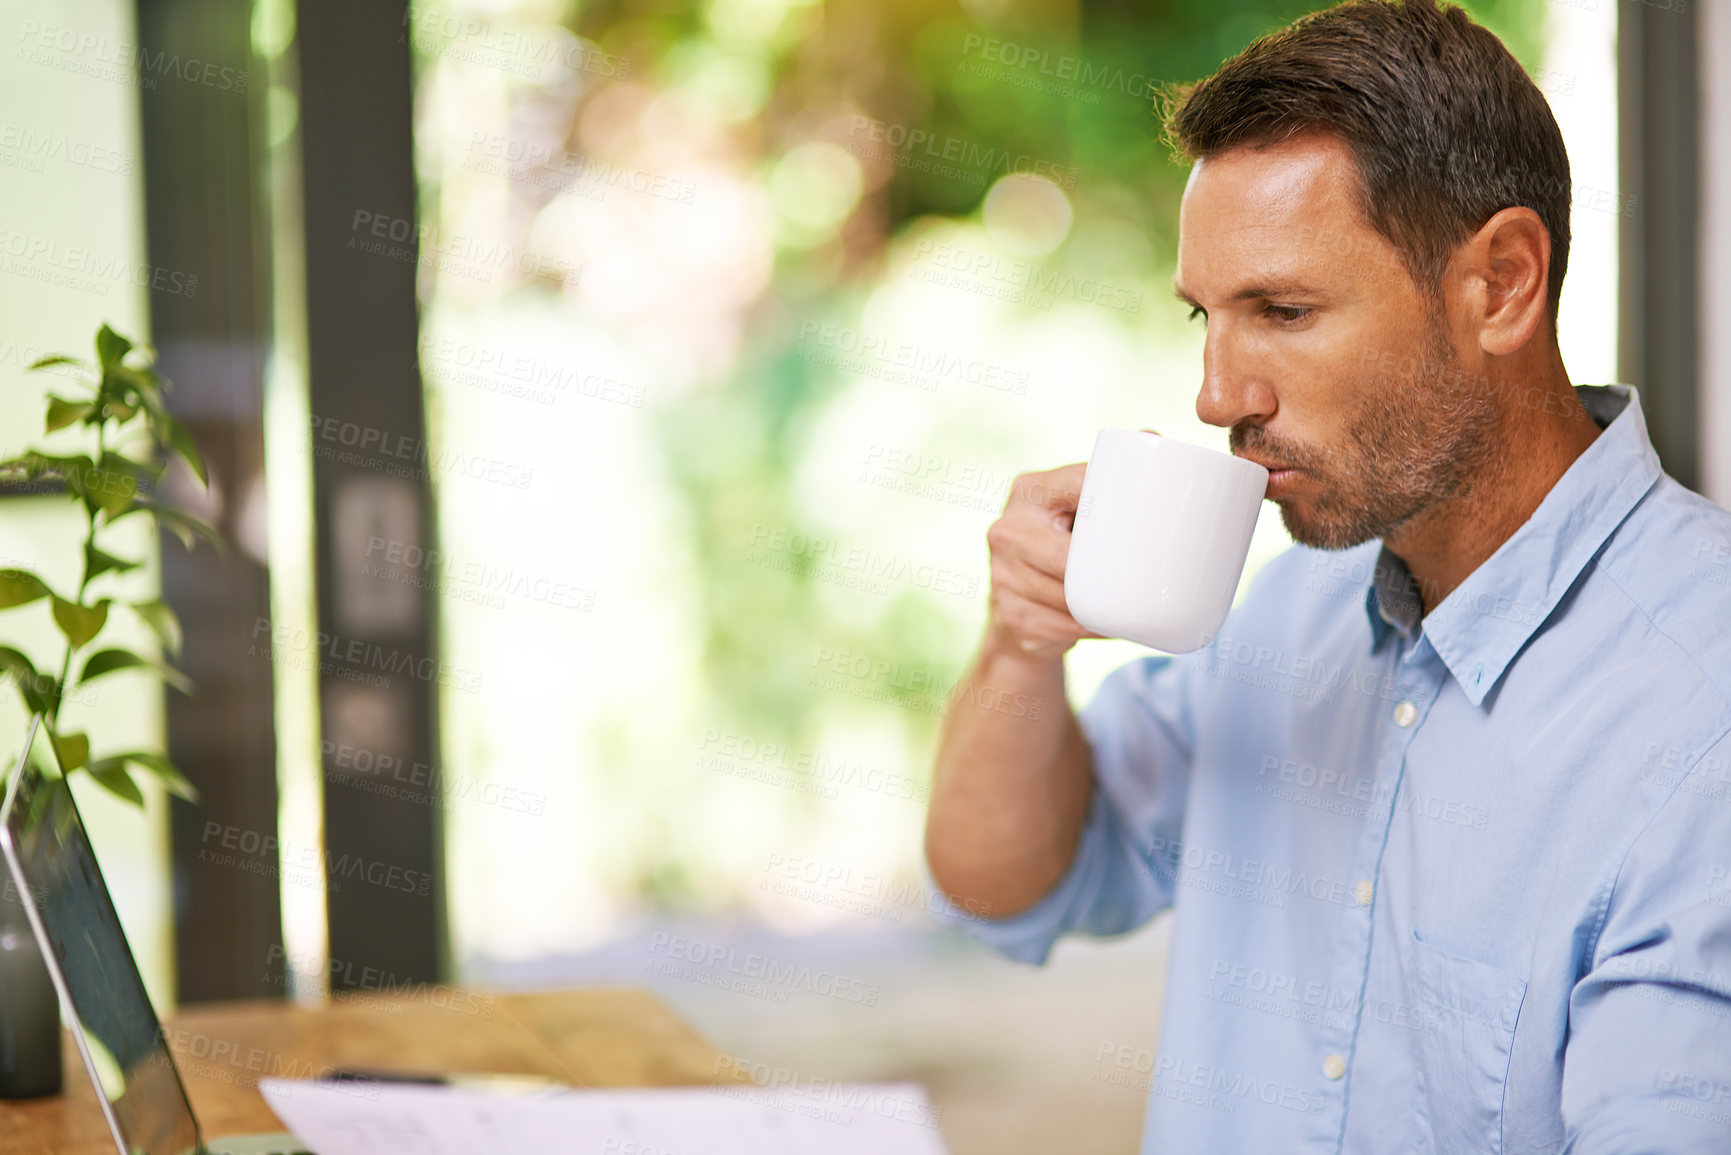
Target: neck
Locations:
point(1532, 449)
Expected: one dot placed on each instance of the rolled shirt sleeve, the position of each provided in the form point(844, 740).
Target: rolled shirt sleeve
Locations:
point(1647, 1064)
point(1139, 728)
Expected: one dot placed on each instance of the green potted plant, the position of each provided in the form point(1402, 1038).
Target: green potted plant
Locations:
point(130, 442)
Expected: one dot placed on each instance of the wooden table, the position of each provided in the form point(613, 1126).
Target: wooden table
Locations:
point(596, 1037)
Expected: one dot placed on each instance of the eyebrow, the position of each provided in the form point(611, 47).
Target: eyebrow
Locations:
point(1267, 291)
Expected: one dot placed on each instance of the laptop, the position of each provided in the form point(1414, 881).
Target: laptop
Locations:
point(118, 1034)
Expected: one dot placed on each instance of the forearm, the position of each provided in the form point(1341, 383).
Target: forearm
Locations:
point(1010, 793)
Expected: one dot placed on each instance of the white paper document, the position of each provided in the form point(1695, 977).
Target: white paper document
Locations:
point(397, 1119)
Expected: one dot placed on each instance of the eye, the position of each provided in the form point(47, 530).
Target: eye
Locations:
point(1288, 314)
point(1198, 311)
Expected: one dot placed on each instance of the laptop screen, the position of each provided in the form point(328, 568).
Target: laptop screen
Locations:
point(48, 850)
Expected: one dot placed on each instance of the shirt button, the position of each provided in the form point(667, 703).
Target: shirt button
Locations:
point(1334, 1066)
point(1361, 893)
point(1405, 713)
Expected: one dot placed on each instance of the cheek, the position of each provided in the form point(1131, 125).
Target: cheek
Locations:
point(1357, 416)
point(1323, 371)
point(1387, 362)
point(1318, 403)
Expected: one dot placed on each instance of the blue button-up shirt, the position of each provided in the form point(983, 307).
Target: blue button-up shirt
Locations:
point(1453, 884)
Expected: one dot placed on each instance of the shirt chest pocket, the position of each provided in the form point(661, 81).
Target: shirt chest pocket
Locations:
point(1463, 1063)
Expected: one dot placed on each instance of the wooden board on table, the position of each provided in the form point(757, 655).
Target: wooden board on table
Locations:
point(597, 1037)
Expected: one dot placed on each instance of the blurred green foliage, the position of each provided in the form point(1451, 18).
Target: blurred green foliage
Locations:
point(1068, 86)
point(732, 451)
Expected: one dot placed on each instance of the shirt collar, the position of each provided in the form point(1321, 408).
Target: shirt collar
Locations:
point(1479, 628)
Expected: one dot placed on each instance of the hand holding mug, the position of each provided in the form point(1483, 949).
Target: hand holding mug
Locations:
point(1029, 545)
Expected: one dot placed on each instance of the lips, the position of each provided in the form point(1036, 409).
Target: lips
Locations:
point(1280, 475)
point(1270, 466)
point(1279, 480)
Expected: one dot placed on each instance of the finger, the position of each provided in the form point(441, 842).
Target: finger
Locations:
point(1059, 488)
point(1030, 583)
point(1043, 548)
point(1035, 626)
point(1033, 535)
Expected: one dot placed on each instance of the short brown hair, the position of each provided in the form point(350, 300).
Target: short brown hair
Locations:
point(1446, 127)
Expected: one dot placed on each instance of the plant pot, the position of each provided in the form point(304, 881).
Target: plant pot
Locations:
point(30, 1038)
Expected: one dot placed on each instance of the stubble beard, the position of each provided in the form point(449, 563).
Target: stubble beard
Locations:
point(1414, 444)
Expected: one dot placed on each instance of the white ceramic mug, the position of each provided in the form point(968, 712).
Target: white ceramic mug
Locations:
point(1161, 533)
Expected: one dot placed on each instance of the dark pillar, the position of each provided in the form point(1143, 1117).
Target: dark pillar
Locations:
point(1659, 329)
point(209, 310)
point(379, 679)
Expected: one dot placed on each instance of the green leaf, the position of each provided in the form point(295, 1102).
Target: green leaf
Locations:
point(62, 412)
point(142, 385)
point(120, 463)
point(54, 359)
point(74, 750)
point(162, 622)
point(109, 490)
point(110, 347)
point(79, 623)
point(73, 466)
point(108, 661)
point(119, 409)
point(97, 561)
point(118, 782)
point(35, 465)
point(20, 587)
point(30, 683)
point(15, 663)
point(175, 678)
point(145, 473)
point(181, 442)
point(184, 526)
point(172, 778)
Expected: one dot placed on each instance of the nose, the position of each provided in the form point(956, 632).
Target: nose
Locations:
point(1234, 384)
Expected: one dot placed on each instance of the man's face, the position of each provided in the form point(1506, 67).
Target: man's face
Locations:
point(1323, 356)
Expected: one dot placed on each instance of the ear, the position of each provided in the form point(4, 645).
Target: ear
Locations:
point(1506, 269)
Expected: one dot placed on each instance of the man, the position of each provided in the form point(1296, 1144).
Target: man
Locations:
point(1444, 813)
